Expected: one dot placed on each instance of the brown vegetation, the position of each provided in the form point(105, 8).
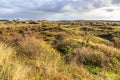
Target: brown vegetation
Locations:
point(59, 50)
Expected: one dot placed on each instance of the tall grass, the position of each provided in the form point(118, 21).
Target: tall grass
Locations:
point(36, 60)
point(10, 69)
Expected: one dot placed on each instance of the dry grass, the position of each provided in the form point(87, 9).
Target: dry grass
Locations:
point(43, 63)
point(109, 50)
point(10, 69)
point(36, 57)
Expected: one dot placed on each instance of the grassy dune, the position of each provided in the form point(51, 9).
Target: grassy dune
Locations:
point(59, 52)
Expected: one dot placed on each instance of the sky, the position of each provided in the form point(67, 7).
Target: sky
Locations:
point(60, 9)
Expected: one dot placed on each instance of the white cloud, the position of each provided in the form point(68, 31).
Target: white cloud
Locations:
point(60, 9)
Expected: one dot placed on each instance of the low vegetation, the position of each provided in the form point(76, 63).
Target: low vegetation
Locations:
point(59, 50)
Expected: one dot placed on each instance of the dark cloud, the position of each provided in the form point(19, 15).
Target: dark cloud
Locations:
point(53, 6)
point(116, 1)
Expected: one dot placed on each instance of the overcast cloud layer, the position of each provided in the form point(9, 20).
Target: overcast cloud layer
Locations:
point(60, 9)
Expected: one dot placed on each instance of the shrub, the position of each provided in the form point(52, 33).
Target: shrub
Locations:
point(87, 29)
point(82, 55)
point(88, 56)
point(116, 41)
point(64, 47)
point(29, 47)
point(60, 37)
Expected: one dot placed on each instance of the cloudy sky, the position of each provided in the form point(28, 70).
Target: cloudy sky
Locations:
point(60, 9)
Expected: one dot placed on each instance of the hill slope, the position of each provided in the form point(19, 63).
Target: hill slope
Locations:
point(59, 51)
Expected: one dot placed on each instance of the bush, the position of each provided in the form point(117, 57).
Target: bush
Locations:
point(60, 37)
point(116, 41)
point(29, 47)
point(65, 48)
point(88, 56)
